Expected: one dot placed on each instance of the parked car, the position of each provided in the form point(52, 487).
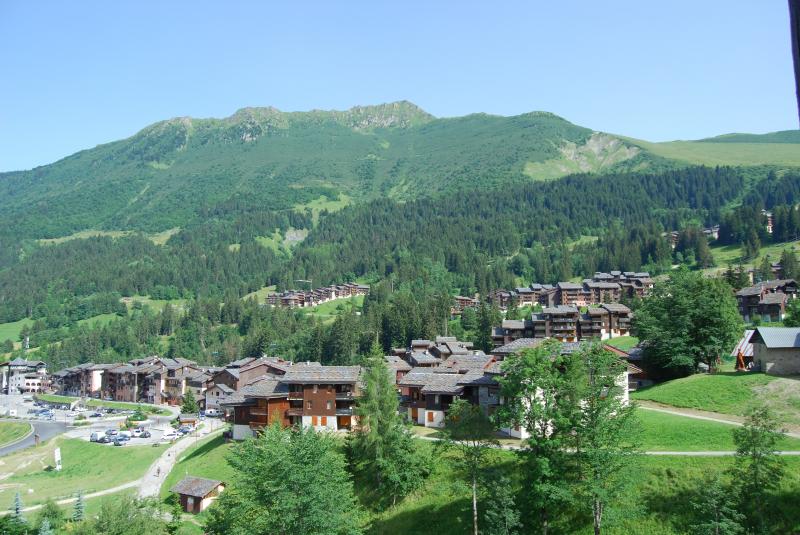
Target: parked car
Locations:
point(105, 439)
point(94, 437)
point(170, 435)
point(119, 442)
point(136, 433)
point(145, 434)
point(126, 435)
point(185, 429)
point(213, 413)
point(95, 415)
point(111, 432)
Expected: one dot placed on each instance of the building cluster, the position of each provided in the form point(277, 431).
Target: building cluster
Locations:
point(23, 376)
point(157, 380)
point(601, 288)
point(310, 298)
point(766, 300)
point(567, 323)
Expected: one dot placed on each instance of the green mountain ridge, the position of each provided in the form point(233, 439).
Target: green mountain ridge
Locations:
point(169, 173)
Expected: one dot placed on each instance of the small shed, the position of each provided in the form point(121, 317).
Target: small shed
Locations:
point(197, 493)
point(188, 419)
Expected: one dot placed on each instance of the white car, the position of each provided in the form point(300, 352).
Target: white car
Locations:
point(172, 435)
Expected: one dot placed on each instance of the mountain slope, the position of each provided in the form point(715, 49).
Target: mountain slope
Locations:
point(166, 174)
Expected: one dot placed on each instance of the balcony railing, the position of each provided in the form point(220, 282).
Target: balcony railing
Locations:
point(294, 411)
point(296, 395)
point(344, 412)
point(344, 395)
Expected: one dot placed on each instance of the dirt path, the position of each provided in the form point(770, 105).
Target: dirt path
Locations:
point(154, 477)
point(791, 430)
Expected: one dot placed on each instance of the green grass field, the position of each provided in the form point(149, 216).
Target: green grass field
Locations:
point(148, 409)
point(261, 294)
point(335, 307)
point(731, 254)
point(727, 392)
point(156, 304)
point(10, 331)
point(102, 319)
point(324, 203)
point(624, 343)
point(668, 432)
point(87, 467)
point(705, 153)
point(12, 431)
point(207, 459)
point(159, 238)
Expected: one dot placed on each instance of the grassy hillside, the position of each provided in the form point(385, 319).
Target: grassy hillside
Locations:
point(714, 153)
point(160, 178)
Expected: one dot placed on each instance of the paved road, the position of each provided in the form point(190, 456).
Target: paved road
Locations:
point(45, 430)
point(700, 415)
point(157, 473)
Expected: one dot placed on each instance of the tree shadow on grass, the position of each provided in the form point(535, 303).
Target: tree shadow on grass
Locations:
point(205, 448)
point(450, 518)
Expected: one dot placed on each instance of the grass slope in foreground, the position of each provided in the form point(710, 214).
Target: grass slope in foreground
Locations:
point(87, 467)
point(12, 431)
point(669, 432)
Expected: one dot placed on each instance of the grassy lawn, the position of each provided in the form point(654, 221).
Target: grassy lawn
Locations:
point(333, 308)
point(324, 203)
point(657, 499)
point(731, 254)
point(207, 459)
point(10, 331)
point(121, 405)
point(87, 467)
point(261, 294)
point(102, 319)
point(726, 153)
point(155, 304)
point(624, 343)
point(12, 431)
point(668, 432)
point(727, 393)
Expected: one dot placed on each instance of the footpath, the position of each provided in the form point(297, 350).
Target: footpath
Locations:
point(150, 484)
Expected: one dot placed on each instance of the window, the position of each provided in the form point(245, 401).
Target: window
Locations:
point(329, 405)
point(316, 388)
point(310, 405)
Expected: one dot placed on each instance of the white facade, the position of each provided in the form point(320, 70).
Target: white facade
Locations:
point(241, 432)
point(323, 423)
point(432, 418)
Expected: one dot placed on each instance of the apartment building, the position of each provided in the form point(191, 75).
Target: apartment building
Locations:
point(310, 298)
point(766, 300)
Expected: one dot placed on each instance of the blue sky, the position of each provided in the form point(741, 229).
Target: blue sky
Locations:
point(77, 74)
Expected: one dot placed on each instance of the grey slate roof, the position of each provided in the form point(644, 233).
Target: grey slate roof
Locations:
point(225, 389)
point(476, 361)
point(197, 487)
point(616, 307)
point(569, 286)
point(773, 298)
point(778, 337)
point(560, 309)
point(517, 345)
point(421, 357)
point(396, 363)
point(322, 374)
point(443, 383)
point(267, 387)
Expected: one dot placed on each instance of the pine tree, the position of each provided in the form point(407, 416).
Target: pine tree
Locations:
point(382, 448)
point(716, 509)
point(765, 270)
point(501, 516)
point(189, 405)
point(18, 508)
point(78, 511)
point(44, 528)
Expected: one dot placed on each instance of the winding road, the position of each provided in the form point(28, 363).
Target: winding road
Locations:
point(45, 430)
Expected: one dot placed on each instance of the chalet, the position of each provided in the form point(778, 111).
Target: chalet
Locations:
point(197, 493)
point(307, 394)
point(22, 375)
point(602, 291)
point(462, 303)
point(570, 294)
point(216, 394)
point(767, 299)
point(776, 350)
point(567, 324)
point(398, 366)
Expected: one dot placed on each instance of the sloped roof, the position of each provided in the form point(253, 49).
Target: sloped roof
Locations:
point(616, 307)
point(396, 363)
point(266, 387)
point(322, 374)
point(773, 299)
point(517, 345)
point(777, 337)
point(197, 487)
point(744, 345)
